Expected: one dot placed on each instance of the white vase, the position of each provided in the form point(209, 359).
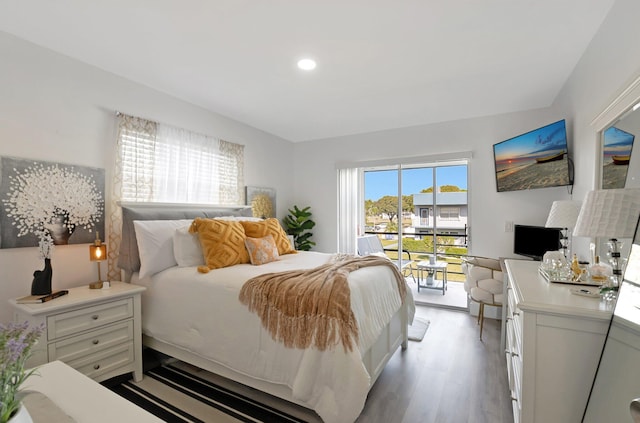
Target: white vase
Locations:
point(21, 416)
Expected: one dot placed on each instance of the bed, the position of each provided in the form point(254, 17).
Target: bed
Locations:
point(208, 327)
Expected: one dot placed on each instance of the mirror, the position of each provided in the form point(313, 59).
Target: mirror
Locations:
point(620, 358)
point(616, 383)
point(619, 167)
point(617, 127)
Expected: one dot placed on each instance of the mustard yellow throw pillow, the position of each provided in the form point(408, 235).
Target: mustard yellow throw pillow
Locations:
point(271, 227)
point(261, 250)
point(222, 243)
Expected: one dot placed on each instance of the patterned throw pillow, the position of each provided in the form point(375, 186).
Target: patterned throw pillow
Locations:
point(261, 250)
point(271, 227)
point(222, 243)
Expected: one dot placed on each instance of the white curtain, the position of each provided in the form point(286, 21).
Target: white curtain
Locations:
point(349, 209)
point(185, 167)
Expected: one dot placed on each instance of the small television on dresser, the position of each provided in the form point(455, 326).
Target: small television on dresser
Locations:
point(534, 241)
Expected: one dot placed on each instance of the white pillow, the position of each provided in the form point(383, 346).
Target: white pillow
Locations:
point(155, 244)
point(240, 218)
point(187, 249)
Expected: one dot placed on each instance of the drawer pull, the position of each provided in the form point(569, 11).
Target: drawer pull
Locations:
point(516, 313)
point(95, 317)
point(514, 399)
point(96, 341)
point(96, 366)
point(515, 354)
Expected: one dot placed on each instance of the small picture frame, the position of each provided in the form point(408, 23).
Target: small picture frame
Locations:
point(262, 201)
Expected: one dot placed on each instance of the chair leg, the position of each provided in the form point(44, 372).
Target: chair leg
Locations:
point(481, 317)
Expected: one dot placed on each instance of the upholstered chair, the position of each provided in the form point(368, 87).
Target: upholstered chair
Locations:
point(484, 283)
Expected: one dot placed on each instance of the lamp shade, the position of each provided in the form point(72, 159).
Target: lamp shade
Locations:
point(609, 213)
point(98, 252)
point(563, 214)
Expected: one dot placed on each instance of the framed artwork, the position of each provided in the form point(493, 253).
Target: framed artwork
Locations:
point(262, 201)
point(59, 203)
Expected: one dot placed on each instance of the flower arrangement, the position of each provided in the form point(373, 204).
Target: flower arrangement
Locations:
point(16, 343)
point(45, 246)
point(42, 197)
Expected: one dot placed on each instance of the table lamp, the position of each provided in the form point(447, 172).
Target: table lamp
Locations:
point(564, 215)
point(97, 253)
point(613, 214)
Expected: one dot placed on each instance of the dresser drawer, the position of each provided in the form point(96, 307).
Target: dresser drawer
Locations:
point(82, 319)
point(90, 342)
point(104, 361)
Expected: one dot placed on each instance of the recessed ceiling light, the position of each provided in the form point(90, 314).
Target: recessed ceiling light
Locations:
point(307, 64)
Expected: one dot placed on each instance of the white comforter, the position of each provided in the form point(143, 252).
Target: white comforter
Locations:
point(201, 313)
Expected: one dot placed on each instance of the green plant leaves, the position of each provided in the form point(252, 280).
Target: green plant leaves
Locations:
point(298, 223)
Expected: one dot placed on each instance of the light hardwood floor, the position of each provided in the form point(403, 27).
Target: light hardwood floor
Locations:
point(449, 377)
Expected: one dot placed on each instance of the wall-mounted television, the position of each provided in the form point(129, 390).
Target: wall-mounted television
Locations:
point(536, 159)
point(534, 241)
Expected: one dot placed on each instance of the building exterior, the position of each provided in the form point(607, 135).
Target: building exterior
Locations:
point(448, 214)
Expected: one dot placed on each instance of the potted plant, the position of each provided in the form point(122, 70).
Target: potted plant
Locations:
point(298, 223)
point(16, 342)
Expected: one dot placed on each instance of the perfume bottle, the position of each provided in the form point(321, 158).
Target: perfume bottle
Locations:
point(600, 272)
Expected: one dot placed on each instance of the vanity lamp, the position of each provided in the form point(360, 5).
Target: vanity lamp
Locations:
point(564, 215)
point(613, 214)
point(97, 253)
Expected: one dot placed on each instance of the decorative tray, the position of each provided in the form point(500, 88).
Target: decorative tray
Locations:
point(586, 282)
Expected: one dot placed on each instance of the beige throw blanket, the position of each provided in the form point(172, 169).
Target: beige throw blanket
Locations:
point(311, 307)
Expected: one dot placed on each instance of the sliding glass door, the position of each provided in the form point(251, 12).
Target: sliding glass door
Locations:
point(419, 208)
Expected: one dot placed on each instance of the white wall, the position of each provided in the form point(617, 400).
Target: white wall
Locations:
point(609, 64)
point(316, 185)
point(57, 109)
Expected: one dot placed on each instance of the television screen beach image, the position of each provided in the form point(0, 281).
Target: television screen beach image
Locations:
point(536, 159)
point(616, 153)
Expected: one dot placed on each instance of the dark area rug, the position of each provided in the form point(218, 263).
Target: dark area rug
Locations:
point(174, 394)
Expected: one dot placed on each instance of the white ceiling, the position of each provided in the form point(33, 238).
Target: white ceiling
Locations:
point(381, 63)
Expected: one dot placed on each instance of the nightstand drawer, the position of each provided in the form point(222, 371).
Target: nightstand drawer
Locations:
point(104, 361)
point(91, 342)
point(87, 318)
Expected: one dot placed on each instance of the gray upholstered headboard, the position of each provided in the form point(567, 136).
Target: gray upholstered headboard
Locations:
point(129, 258)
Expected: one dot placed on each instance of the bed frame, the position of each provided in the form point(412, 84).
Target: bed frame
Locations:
point(394, 335)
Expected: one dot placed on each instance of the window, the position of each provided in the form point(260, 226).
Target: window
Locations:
point(450, 213)
point(162, 163)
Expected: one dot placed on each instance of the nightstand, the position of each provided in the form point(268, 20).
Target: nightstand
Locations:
point(96, 331)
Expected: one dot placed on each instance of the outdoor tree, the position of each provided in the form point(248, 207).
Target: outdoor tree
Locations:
point(407, 203)
point(370, 208)
point(388, 205)
point(451, 188)
point(444, 188)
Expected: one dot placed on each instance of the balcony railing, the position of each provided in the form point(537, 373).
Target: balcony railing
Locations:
point(452, 254)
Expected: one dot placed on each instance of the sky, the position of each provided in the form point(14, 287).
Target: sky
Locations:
point(548, 138)
point(380, 183)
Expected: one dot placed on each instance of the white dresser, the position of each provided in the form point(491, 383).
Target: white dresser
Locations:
point(553, 342)
point(95, 331)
